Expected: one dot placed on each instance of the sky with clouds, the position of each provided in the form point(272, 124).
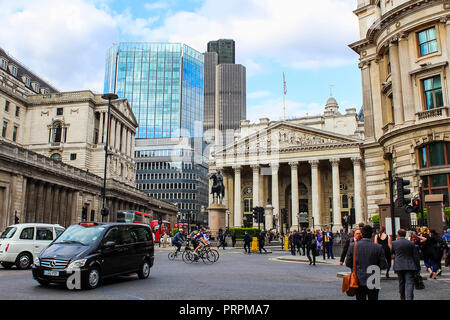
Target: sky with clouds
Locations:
point(65, 42)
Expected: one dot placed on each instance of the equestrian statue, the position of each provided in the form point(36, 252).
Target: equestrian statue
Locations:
point(217, 189)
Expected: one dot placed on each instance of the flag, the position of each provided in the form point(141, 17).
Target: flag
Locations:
point(284, 84)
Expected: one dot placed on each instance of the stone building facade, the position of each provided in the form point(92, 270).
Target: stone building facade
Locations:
point(404, 55)
point(310, 166)
point(52, 150)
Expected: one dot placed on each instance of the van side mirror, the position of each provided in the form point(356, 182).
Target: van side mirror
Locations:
point(109, 245)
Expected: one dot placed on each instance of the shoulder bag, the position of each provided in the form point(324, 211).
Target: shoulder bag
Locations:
point(350, 284)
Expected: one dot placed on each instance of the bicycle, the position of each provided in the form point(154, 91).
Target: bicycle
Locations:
point(206, 254)
point(174, 254)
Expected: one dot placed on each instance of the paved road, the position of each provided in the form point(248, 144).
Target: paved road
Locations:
point(234, 276)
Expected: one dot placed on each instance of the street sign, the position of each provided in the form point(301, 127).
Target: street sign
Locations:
point(303, 218)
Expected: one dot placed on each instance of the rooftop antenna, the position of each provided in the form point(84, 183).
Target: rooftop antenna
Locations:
point(284, 96)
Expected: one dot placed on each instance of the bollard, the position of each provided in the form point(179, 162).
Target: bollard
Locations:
point(286, 243)
point(254, 244)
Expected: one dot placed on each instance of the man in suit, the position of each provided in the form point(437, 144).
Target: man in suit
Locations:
point(328, 243)
point(357, 236)
point(368, 254)
point(406, 264)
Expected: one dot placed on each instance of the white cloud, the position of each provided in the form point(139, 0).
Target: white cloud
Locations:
point(258, 94)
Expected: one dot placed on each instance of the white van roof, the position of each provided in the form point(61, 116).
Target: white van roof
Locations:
point(35, 225)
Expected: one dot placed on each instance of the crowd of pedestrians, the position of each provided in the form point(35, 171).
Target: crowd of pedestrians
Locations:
point(406, 251)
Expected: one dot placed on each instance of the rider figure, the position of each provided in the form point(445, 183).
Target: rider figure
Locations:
point(178, 239)
point(202, 239)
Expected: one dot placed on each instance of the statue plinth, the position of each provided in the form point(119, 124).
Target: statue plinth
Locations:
point(217, 218)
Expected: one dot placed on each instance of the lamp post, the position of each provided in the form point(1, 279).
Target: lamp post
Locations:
point(228, 218)
point(109, 97)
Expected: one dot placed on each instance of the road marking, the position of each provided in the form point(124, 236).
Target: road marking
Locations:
point(121, 293)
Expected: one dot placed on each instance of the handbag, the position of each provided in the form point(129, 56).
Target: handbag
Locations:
point(418, 282)
point(350, 284)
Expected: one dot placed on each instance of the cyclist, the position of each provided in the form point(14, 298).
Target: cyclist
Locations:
point(178, 239)
point(202, 239)
point(191, 237)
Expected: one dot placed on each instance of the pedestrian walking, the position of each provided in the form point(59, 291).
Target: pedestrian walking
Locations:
point(311, 246)
point(406, 264)
point(430, 251)
point(247, 242)
point(386, 242)
point(368, 254)
point(292, 243)
point(328, 243)
point(303, 241)
point(261, 241)
point(446, 238)
point(357, 236)
point(297, 238)
point(233, 238)
point(319, 243)
point(164, 240)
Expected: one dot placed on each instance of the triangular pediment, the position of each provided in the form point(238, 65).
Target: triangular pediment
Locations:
point(288, 136)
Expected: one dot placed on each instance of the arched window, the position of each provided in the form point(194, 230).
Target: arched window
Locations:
point(56, 156)
point(56, 132)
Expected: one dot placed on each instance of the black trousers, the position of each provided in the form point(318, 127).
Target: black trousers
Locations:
point(308, 253)
point(406, 284)
point(364, 293)
point(247, 245)
point(261, 247)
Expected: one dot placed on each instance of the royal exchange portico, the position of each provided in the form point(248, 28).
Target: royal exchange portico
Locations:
point(291, 165)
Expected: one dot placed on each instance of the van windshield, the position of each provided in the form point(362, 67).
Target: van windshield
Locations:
point(81, 235)
point(8, 233)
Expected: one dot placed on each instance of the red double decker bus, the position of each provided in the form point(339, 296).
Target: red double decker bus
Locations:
point(133, 216)
point(158, 230)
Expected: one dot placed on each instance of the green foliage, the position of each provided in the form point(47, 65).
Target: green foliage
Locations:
point(253, 232)
point(447, 213)
point(376, 218)
point(174, 231)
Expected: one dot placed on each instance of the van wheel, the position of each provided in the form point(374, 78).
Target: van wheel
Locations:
point(24, 261)
point(92, 280)
point(7, 265)
point(144, 271)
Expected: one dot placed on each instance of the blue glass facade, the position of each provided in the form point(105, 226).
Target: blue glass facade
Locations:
point(163, 83)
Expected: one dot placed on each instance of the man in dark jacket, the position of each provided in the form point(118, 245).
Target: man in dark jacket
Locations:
point(406, 264)
point(303, 241)
point(311, 246)
point(357, 236)
point(247, 241)
point(261, 241)
point(368, 254)
point(297, 238)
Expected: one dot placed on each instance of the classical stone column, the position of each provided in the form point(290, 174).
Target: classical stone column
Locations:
point(31, 201)
point(294, 194)
point(407, 89)
point(210, 195)
point(117, 145)
point(237, 197)
point(112, 132)
point(396, 83)
point(255, 169)
point(275, 194)
point(62, 206)
point(225, 185)
point(54, 218)
point(100, 128)
point(48, 203)
point(369, 126)
point(336, 195)
point(315, 193)
point(40, 204)
point(447, 31)
point(358, 190)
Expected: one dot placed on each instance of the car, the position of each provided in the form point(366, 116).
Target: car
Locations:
point(97, 251)
point(21, 243)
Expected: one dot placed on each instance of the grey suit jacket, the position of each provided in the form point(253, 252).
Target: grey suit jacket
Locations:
point(368, 254)
point(406, 255)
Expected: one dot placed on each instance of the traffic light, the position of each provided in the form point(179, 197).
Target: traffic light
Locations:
point(416, 205)
point(105, 212)
point(261, 214)
point(255, 213)
point(84, 214)
point(401, 191)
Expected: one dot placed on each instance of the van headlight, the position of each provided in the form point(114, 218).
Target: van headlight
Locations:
point(37, 262)
point(77, 264)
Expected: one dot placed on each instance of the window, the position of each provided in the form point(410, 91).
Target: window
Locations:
point(17, 111)
point(59, 111)
point(427, 41)
point(437, 184)
point(27, 81)
point(27, 234)
point(56, 157)
point(44, 234)
point(14, 70)
point(14, 137)
point(4, 64)
point(57, 132)
point(73, 156)
point(58, 232)
point(434, 154)
point(433, 92)
point(6, 105)
point(5, 127)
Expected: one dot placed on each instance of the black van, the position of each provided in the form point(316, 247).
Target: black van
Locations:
point(95, 251)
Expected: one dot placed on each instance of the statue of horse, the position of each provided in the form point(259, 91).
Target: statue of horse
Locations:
point(217, 189)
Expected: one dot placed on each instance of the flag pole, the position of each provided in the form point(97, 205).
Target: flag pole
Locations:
point(284, 97)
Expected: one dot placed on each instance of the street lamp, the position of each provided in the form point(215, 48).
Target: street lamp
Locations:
point(109, 97)
point(228, 218)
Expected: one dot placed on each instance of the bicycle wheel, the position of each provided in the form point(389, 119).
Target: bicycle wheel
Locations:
point(188, 256)
point(215, 253)
point(207, 257)
point(172, 256)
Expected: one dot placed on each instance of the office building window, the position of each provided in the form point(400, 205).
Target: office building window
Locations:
point(17, 111)
point(433, 92)
point(14, 137)
point(427, 41)
point(5, 127)
point(6, 105)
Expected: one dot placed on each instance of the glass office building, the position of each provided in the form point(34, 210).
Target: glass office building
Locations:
point(164, 84)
